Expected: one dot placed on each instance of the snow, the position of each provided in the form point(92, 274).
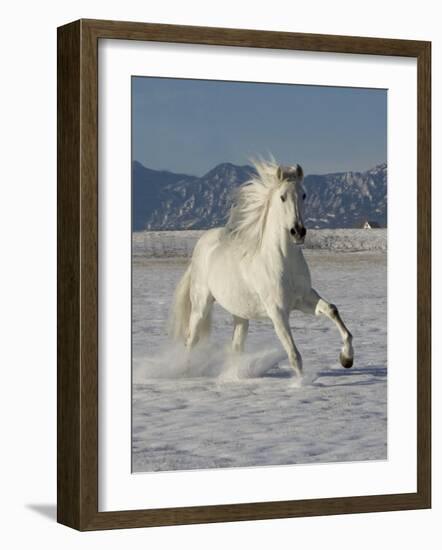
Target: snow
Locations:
point(217, 410)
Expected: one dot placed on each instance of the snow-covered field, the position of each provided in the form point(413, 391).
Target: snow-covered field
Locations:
point(230, 412)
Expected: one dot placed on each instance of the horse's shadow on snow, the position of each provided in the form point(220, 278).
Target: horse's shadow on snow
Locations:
point(351, 377)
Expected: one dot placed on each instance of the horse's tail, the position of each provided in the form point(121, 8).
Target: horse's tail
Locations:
point(181, 308)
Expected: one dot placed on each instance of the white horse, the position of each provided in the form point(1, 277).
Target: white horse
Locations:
point(254, 267)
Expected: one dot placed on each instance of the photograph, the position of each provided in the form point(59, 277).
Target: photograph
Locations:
point(259, 274)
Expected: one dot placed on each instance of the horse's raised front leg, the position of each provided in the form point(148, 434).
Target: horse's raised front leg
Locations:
point(313, 303)
point(280, 320)
point(240, 329)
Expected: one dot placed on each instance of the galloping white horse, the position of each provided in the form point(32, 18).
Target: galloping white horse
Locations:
point(254, 267)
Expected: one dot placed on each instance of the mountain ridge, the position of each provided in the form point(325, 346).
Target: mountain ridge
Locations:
point(164, 200)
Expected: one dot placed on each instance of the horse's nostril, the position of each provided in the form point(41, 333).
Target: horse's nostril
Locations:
point(292, 232)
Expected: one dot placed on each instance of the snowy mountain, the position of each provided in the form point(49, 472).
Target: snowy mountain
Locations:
point(346, 199)
point(164, 200)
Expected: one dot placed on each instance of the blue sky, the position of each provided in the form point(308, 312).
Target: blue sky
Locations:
point(190, 126)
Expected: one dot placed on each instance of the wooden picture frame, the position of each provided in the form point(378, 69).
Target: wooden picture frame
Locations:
point(77, 461)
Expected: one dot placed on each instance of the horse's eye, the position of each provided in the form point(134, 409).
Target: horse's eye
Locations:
point(283, 198)
point(304, 196)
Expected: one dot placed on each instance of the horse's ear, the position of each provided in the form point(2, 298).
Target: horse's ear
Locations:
point(290, 172)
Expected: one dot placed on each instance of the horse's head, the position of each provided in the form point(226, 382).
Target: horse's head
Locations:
point(289, 201)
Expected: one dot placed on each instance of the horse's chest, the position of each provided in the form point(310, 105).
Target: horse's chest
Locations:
point(295, 283)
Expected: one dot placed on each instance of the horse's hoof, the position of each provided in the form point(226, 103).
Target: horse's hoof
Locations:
point(297, 382)
point(346, 362)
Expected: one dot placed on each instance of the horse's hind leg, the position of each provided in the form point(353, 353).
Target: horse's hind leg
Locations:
point(313, 303)
point(240, 329)
point(199, 322)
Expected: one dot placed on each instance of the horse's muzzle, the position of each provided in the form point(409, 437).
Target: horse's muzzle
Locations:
point(298, 232)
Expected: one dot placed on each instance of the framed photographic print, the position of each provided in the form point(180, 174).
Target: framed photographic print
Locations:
point(243, 274)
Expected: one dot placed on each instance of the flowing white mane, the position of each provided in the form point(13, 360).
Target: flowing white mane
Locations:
point(251, 201)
